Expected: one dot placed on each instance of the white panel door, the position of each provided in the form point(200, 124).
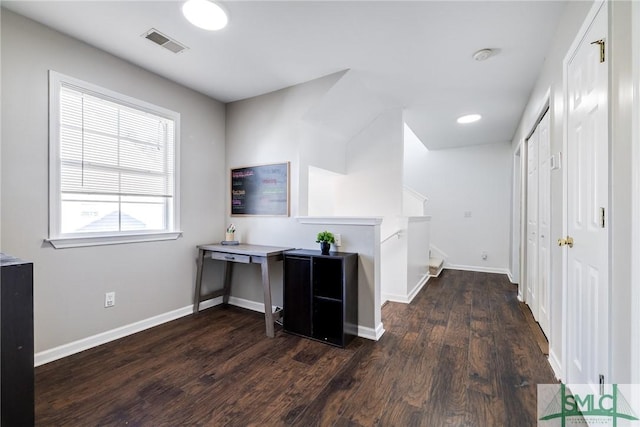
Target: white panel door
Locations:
point(531, 296)
point(587, 310)
point(544, 225)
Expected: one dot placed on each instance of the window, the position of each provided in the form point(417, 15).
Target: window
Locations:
point(113, 174)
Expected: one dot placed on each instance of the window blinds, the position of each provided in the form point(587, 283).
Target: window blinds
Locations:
point(108, 148)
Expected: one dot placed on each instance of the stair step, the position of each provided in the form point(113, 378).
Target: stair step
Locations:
point(435, 266)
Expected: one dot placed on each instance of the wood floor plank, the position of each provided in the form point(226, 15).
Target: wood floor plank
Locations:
point(462, 353)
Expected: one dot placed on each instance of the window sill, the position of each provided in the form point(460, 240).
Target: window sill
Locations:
point(78, 242)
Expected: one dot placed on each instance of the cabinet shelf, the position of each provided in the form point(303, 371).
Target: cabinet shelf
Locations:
point(321, 295)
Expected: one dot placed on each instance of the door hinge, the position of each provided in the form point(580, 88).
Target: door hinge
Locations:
point(601, 44)
point(602, 217)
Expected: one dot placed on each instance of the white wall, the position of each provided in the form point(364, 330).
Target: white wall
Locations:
point(373, 183)
point(69, 284)
point(323, 185)
point(621, 193)
point(405, 259)
point(393, 268)
point(549, 83)
point(413, 203)
point(275, 128)
point(475, 179)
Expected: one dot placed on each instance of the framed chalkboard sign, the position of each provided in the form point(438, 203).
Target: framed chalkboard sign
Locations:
point(260, 190)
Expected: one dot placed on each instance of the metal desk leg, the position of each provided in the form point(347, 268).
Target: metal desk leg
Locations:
point(266, 286)
point(196, 297)
point(228, 270)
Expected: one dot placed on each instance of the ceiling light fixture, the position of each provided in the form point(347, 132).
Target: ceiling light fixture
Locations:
point(205, 14)
point(483, 54)
point(469, 118)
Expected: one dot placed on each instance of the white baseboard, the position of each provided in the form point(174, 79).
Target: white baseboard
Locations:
point(406, 299)
point(510, 276)
point(371, 334)
point(477, 268)
point(418, 287)
point(395, 298)
point(556, 366)
point(248, 304)
point(74, 347)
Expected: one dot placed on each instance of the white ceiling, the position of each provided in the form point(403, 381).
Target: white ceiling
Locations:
point(416, 55)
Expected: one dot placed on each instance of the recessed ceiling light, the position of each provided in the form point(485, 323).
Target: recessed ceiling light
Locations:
point(483, 54)
point(469, 118)
point(205, 14)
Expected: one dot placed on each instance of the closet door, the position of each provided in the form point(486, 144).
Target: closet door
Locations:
point(532, 281)
point(544, 224)
point(538, 277)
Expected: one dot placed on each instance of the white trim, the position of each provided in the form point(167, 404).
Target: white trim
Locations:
point(418, 287)
point(510, 276)
point(336, 220)
point(248, 304)
point(371, 334)
point(635, 192)
point(78, 242)
point(406, 299)
point(479, 269)
point(74, 347)
point(554, 361)
point(394, 298)
point(61, 240)
point(524, 164)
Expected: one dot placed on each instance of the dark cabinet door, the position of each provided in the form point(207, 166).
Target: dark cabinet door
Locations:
point(297, 295)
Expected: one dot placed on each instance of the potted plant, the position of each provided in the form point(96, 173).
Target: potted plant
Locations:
point(325, 238)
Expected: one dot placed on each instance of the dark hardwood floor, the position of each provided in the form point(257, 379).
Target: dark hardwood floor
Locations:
point(461, 354)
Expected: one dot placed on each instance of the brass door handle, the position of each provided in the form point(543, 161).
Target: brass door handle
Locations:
point(566, 241)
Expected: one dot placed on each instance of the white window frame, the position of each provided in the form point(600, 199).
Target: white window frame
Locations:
point(61, 240)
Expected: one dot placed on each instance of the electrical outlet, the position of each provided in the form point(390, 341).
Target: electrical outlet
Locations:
point(467, 214)
point(338, 239)
point(109, 299)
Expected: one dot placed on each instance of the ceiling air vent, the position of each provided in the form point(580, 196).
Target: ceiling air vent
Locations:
point(166, 42)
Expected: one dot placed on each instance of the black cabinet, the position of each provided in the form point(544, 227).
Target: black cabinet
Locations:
point(321, 295)
point(16, 341)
